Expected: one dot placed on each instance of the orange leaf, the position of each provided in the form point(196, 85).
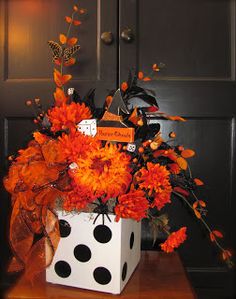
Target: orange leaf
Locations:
point(72, 41)
point(155, 67)
point(226, 254)
point(134, 118)
point(195, 204)
point(82, 11)
point(124, 86)
point(75, 8)
point(181, 191)
point(68, 19)
point(187, 153)
point(217, 234)
point(70, 62)
point(60, 97)
point(212, 237)
point(198, 215)
point(62, 39)
point(147, 79)
point(182, 163)
point(198, 182)
point(59, 79)
point(202, 203)
point(108, 100)
point(58, 61)
point(140, 75)
point(77, 23)
point(177, 118)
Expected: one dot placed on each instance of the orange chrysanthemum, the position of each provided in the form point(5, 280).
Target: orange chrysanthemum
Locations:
point(132, 205)
point(77, 145)
point(77, 199)
point(68, 116)
point(174, 240)
point(104, 173)
point(155, 179)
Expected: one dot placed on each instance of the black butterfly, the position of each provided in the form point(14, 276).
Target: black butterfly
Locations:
point(60, 53)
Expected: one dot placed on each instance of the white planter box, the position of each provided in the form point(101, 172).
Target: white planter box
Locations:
point(95, 256)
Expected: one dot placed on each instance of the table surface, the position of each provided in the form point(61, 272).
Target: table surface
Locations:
point(158, 275)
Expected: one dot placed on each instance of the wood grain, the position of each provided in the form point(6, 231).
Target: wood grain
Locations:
point(158, 275)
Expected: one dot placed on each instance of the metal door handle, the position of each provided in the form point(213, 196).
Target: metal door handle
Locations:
point(127, 35)
point(107, 37)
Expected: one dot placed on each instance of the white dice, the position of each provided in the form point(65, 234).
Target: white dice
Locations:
point(96, 256)
point(88, 127)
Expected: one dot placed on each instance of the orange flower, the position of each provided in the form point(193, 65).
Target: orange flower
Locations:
point(40, 138)
point(68, 116)
point(174, 240)
point(77, 145)
point(77, 199)
point(104, 173)
point(132, 205)
point(155, 179)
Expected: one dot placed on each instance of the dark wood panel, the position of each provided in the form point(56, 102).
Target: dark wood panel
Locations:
point(26, 68)
point(188, 36)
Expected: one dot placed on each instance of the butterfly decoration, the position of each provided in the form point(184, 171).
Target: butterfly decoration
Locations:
point(62, 54)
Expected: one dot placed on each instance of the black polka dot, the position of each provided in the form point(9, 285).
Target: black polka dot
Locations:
point(102, 233)
point(65, 228)
point(62, 269)
point(102, 275)
point(82, 253)
point(131, 241)
point(124, 271)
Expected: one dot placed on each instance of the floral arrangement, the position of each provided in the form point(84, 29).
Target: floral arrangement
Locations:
point(62, 168)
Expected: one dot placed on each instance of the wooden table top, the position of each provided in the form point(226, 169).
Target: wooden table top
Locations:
point(158, 276)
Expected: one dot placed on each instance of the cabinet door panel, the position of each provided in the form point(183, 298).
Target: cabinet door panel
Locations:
point(196, 42)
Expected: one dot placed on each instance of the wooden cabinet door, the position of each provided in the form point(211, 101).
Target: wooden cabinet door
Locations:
point(26, 69)
point(196, 42)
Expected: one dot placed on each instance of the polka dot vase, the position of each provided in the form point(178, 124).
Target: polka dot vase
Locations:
point(95, 256)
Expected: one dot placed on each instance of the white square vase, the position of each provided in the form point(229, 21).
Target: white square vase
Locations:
point(95, 256)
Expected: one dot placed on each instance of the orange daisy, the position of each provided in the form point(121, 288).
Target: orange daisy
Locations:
point(104, 173)
point(68, 116)
point(155, 180)
point(132, 205)
point(76, 145)
point(174, 240)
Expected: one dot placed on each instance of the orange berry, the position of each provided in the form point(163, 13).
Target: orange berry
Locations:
point(154, 145)
point(124, 147)
point(135, 160)
point(141, 150)
point(28, 103)
point(124, 86)
point(172, 135)
point(140, 123)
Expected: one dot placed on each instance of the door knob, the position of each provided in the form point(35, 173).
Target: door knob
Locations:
point(127, 35)
point(107, 37)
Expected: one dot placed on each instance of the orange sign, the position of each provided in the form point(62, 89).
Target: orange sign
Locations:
point(115, 134)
